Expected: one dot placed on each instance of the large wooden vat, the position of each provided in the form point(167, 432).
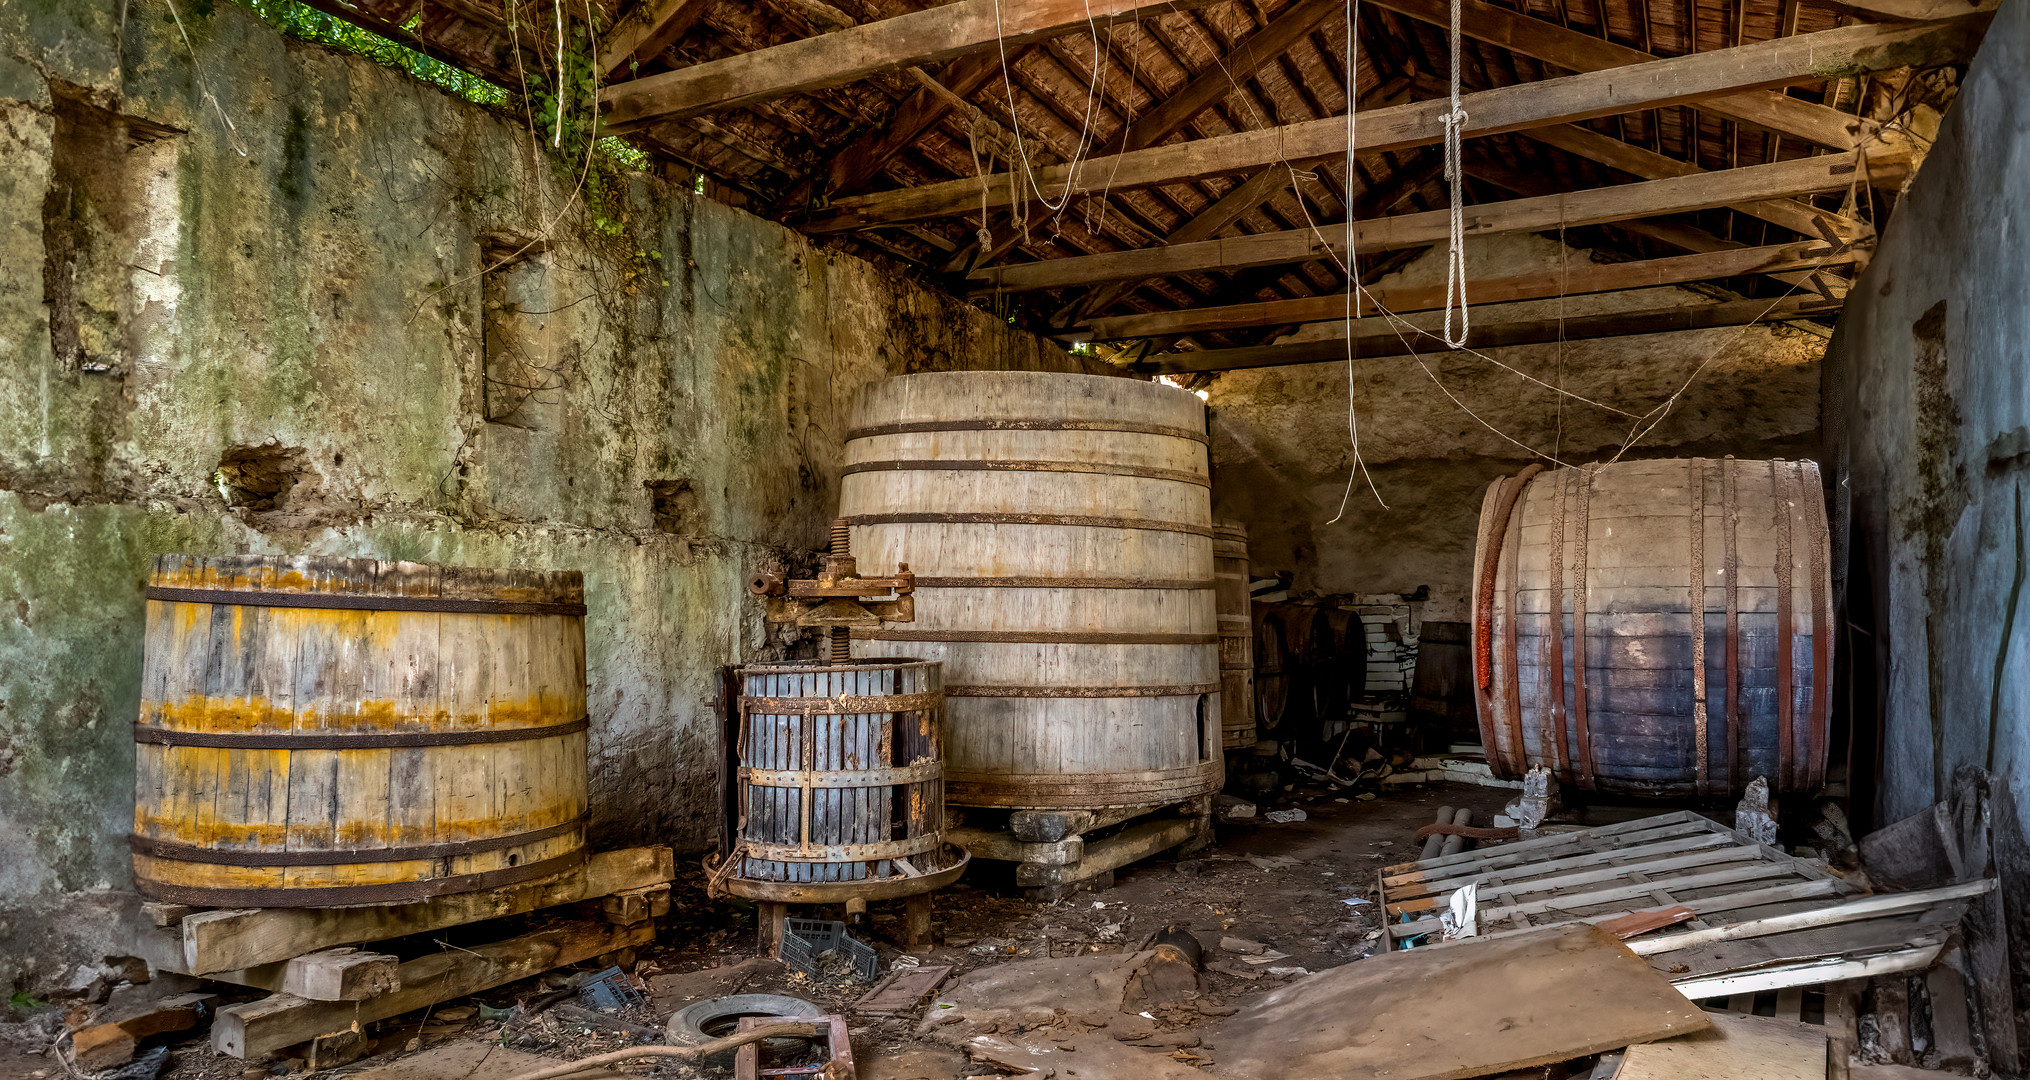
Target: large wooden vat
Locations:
point(1236, 634)
point(319, 732)
point(841, 778)
point(1656, 627)
point(1060, 530)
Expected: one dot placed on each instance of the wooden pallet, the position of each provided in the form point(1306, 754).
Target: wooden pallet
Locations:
point(1055, 857)
point(323, 985)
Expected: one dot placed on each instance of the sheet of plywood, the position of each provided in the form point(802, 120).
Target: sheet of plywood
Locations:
point(1470, 1010)
point(1735, 1048)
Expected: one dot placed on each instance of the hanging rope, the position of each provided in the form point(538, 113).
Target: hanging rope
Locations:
point(1353, 290)
point(1455, 259)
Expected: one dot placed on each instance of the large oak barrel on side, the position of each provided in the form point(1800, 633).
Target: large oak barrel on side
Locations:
point(319, 732)
point(1656, 627)
point(1236, 634)
point(1272, 683)
point(864, 743)
point(1060, 530)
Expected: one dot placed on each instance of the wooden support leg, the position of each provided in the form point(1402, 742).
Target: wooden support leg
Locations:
point(768, 922)
point(916, 923)
point(1842, 1019)
point(1201, 811)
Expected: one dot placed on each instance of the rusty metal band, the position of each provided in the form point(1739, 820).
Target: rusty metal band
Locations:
point(908, 427)
point(844, 705)
point(1080, 520)
point(1496, 527)
point(1223, 548)
point(1511, 548)
point(1732, 568)
point(1580, 729)
point(1176, 690)
point(1552, 737)
point(1098, 468)
point(883, 849)
point(1822, 619)
point(353, 602)
point(1702, 719)
point(921, 772)
point(1180, 584)
point(367, 740)
point(351, 895)
point(192, 853)
point(1037, 637)
point(1786, 756)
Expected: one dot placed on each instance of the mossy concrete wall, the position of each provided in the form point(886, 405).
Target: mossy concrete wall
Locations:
point(1435, 431)
point(255, 252)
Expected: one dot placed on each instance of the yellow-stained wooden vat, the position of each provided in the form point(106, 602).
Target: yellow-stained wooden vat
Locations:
point(1060, 530)
point(323, 732)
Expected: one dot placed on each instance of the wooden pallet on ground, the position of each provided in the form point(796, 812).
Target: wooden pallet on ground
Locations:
point(325, 985)
point(1060, 852)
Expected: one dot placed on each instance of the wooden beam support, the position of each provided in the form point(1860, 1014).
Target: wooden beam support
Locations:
point(1591, 206)
point(1909, 10)
point(1576, 51)
point(1850, 49)
point(1587, 277)
point(653, 25)
point(1211, 86)
point(1377, 336)
point(860, 162)
point(795, 67)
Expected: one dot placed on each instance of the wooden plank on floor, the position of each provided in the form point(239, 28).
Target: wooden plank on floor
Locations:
point(1736, 1047)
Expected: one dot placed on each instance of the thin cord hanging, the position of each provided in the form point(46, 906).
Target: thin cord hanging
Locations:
point(1455, 257)
point(1353, 289)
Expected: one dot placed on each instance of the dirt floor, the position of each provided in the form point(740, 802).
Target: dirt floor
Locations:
point(1285, 887)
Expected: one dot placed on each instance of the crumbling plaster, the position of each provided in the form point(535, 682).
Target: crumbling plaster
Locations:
point(1283, 452)
point(302, 279)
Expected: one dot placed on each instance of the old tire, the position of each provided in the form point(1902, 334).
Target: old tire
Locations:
point(702, 1021)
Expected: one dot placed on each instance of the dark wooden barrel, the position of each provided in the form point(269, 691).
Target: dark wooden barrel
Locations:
point(1236, 634)
point(1441, 694)
point(1272, 683)
point(1299, 669)
point(1656, 627)
point(320, 732)
point(1336, 673)
point(842, 771)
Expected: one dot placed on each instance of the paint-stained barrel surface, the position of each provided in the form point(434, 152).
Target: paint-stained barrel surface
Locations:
point(1656, 628)
point(842, 771)
point(1060, 530)
point(1236, 634)
point(321, 732)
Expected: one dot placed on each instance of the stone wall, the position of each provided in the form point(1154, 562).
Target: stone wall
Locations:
point(1282, 449)
point(258, 297)
point(1928, 403)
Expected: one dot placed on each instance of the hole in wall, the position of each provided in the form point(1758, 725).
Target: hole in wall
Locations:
point(675, 507)
point(260, 478)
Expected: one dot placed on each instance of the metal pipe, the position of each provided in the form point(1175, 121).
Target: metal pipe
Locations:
point(1456, 844)
point(1437, 840)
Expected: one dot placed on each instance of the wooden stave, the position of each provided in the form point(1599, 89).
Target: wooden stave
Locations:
point(1168, 541)
point(1236, 634)
point(1521, 617)
point(218, 667)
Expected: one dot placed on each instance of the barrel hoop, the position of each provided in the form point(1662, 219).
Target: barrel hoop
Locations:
point(1511, 547)
point(356, 602)
point(1039, 637)
point(347, 895)
point(843, 705)
point(1080, 789)
point(192, 853)
point(1580, 728)
point(825, 853)
point(1179, 584)
point(1553, 736)
point(1028, 519)
point(1822, 630)
point(1786, 758)
point(907, 427)
point(1701, 738)
point(918, 773)
point(1732, 567)
point(1177, 690)
point(366, 740)
point(1101, 468)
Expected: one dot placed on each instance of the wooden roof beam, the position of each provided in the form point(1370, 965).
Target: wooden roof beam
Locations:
point(1588, 277)
point(1590, 206)
point(1211, 86)
point(644, 32)
point(1377, 336)
point(1678, 80)
point(834, 59)
point(1575, 51)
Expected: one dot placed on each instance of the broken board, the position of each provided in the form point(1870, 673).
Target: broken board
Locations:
point(901, 990)
point(1734, 1048)
point(1472, 1010)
